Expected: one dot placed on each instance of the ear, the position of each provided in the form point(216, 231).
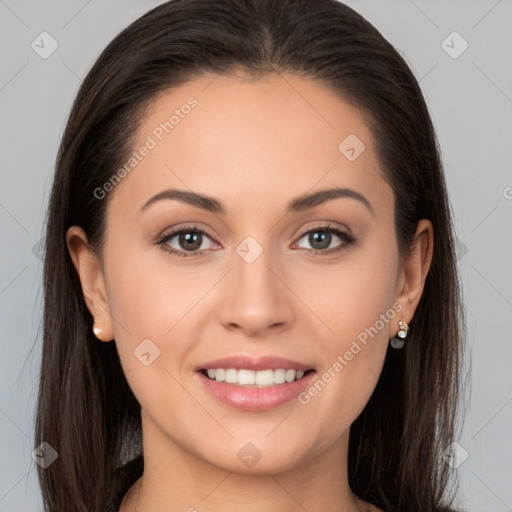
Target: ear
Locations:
point(411, 281)
point(88, 267)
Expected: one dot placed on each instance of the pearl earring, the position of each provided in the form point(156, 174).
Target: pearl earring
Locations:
point(402, 334)
point(97, 331)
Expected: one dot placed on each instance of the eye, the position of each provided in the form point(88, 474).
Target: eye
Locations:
point(321, 237)
point(192, 241)
point(185, 241)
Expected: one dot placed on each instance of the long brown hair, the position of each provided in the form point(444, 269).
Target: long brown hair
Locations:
point(86, 410)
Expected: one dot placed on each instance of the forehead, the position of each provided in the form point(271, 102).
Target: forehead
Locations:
point(279, 136)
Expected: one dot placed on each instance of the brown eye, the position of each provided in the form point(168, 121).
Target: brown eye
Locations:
point(321, 238)
point(190, 241)
point(186, 241)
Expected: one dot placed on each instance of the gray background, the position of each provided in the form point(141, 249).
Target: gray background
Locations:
point(470, 99)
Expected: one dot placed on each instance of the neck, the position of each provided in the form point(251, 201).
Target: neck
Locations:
point(176, 477)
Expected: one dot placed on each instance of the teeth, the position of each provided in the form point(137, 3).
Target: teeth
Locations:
point(279, 376)
point(231, 376)
point(251, 378)
point(246, 377)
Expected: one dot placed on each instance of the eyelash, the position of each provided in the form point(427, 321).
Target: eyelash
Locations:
point(344, 236)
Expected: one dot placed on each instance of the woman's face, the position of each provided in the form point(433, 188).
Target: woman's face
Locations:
point(266, 268)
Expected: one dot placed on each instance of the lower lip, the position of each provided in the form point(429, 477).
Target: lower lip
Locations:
point(256, 399)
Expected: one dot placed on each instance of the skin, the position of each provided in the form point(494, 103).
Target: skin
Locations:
point(254, 145)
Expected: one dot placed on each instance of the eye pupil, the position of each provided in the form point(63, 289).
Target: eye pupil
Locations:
point(323, 237)
point(190, 241)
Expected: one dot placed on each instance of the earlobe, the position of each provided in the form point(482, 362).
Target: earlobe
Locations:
point(415, 269)
point(88, 267)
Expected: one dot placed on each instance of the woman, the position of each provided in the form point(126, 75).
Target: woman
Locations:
point(251, 298)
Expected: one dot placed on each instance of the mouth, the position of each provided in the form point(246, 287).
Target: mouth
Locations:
point(255, 390)
point(255, 383)
point(247, 378)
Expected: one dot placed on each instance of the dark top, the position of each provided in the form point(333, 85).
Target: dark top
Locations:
point(125, 477)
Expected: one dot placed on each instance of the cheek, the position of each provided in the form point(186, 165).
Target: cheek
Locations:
point(150, 303)
point(148, 293)
point(350, 295)
point(357, 306)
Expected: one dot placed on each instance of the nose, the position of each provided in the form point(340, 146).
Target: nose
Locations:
point(258, 302)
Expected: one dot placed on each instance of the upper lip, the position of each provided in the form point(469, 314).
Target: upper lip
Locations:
point(261, 363)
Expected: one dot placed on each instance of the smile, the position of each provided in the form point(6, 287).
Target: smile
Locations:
point(251, 390)
point(251, 378)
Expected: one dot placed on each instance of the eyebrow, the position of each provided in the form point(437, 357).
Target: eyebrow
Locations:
point(299, 204)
